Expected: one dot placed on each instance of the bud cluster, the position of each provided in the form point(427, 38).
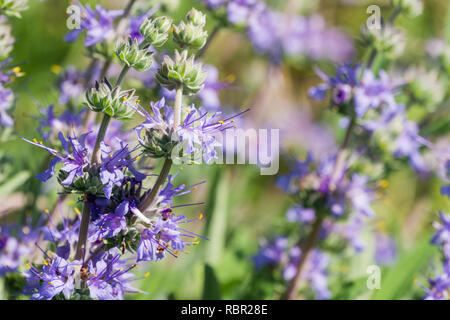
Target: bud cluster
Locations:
point(12, 8)
point(115, 103)
point(156, 31)
point(191, 34)
point(182, 71)
point(134, 55)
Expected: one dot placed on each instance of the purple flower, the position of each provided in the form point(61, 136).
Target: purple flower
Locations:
point(315, 270)
point(239, 11)
point(271, 253)
point(209, 94)
point(197, 133)
point(56, 277)
point(6, 100)
point(385, 249)
point(440, 285)
point(113, 165)
point(70, 85)
point(165, 235)
point(299, 214)
point(50, 124)
point(373, 93)
point(109, 277)
point(74, 158)
point(109, 225)
point(340, 85)
point(98, 25)
point(442, 236)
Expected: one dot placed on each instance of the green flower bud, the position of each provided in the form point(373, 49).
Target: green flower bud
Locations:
point(130, 53)
point(181, 72)
point(197, 18)
point(12, 8)
point(6, 41)
point(411, 8)
point(189, 35)
point(111, 101)
point(157, 144)
point(156, 31)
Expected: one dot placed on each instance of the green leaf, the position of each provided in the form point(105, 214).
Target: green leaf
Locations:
point(211, 286)
point(216, 215)
point(13, 183)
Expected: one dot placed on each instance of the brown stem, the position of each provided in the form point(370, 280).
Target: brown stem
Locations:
point(291, 291)
point(82, 237)
point(149, 197)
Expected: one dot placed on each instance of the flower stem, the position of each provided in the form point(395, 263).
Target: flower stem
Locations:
point(177, 108)
point(150, 196)
point(82, 237)
point(86, 216)
point(291, 291)
point(100, 137)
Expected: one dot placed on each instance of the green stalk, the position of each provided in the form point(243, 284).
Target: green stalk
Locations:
point(149, 197)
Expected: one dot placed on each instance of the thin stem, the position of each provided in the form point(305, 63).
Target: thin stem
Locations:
point(122, 74)
point(100, 137)
point(82, 237)
point(86, 216)
point(291, 291)
point(342, 154)
point(149, 197)
point(177, 108)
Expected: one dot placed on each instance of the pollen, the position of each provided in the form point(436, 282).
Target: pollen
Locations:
point(195, 243)
point(221, 122)
point(77, 211)
point(200, 217)
point(181, 169)
point(45, 262)
point(384, 183)
point(46, 211)
point(28, 266)
point(34, 140)
point(124, 98)
point(231, 78)
point(147, 274)
point(56, 68)
point(232, 120)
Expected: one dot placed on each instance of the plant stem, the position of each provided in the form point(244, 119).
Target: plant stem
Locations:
point(291, 291)
point(177, 108)
point(100, 137)
point(86, 216)
point(82, 237)
point(149, 197)
point(342, 154)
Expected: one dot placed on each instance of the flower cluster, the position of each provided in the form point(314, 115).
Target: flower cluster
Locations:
point(120, 214)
